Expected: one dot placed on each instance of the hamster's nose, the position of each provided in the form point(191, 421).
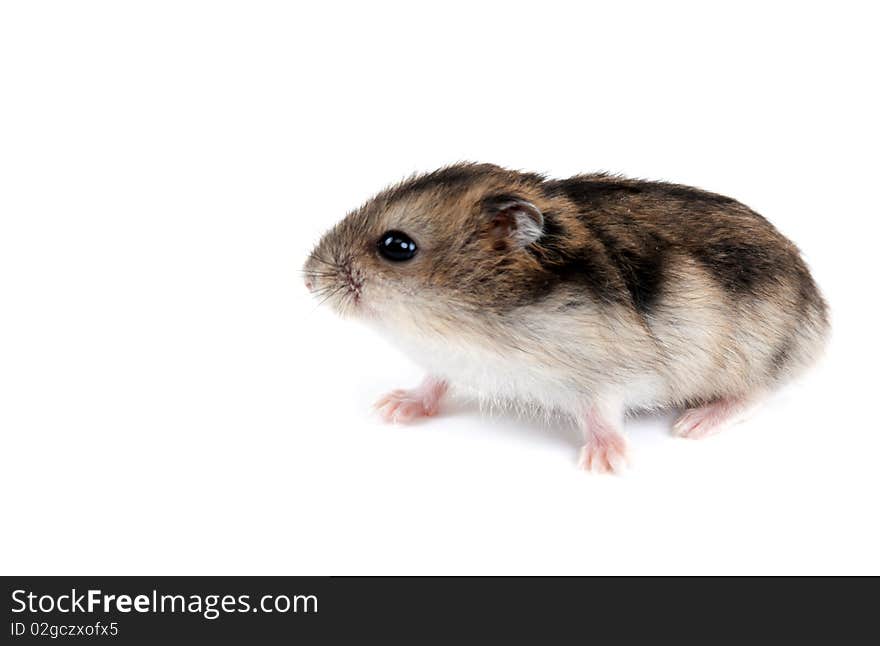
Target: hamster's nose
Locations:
point(309, 284)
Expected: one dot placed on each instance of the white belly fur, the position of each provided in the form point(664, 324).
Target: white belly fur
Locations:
point(504, 378)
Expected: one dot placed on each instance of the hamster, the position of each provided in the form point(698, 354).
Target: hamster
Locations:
point(591, 296)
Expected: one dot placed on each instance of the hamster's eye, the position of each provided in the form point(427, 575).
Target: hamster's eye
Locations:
point(396, 246)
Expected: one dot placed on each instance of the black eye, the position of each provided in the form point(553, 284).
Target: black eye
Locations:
point(396, 246)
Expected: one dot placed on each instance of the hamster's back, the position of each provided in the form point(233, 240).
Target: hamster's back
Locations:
point(727, 297)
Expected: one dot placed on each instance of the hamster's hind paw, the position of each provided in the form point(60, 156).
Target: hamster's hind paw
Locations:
point(697, 423)
point(402, 406)
point(604, 454)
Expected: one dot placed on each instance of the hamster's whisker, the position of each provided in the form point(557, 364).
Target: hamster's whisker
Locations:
point(319, 274)
point(323, 261)
point(313, 271)
point(330, 294)
point(323, 291)
point(325, 294)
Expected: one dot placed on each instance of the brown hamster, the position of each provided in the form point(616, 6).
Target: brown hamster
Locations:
point(590, 296)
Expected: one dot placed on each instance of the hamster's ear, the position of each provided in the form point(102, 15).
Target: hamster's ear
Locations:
point(511, 221)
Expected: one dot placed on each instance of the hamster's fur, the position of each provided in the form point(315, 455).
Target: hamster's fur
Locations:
point(589, 296)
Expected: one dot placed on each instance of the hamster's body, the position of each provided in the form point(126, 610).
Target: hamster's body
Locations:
point(590, 296)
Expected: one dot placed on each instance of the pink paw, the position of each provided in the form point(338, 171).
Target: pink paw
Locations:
point(402, 406)
point(697, 423)
point(604, 454)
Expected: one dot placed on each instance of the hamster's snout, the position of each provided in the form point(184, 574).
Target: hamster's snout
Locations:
point(334, 280)
point(313, 274)
point(309, 275)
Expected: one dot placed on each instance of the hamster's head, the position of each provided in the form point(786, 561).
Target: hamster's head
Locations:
point(447, 245)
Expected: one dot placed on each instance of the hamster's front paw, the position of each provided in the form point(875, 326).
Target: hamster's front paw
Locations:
point(604, 454)
point(402, 406)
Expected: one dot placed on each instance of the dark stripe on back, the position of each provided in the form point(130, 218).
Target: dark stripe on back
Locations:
point(641, 270)
point(564, 264)
point(637, 254)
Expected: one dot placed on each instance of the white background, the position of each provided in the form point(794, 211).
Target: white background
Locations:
point(172, 402)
